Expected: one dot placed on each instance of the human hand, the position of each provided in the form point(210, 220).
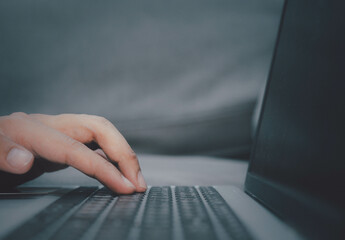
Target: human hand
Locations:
point(31, 144)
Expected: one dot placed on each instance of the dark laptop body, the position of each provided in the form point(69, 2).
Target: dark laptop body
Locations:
point(298, 165)
point(296, 177)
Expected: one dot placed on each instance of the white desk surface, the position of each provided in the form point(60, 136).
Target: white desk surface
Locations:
point(164, 170)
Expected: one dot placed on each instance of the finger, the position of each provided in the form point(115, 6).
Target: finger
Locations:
point(13, 157)
point(117, 149)
point(101, 153)
point(86, 128)
point(55, 146)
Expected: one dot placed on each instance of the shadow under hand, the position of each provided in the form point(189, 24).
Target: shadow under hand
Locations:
point(9, 181)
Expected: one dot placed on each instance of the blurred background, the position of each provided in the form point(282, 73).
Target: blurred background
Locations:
point(175, 77)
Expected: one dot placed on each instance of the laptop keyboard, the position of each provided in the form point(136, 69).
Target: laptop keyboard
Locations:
point(194, 217)
point(160, 213)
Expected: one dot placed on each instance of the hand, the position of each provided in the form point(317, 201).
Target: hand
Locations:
point(33, 144)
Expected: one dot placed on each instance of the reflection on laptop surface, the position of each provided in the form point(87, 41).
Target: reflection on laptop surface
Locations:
point(295, 182)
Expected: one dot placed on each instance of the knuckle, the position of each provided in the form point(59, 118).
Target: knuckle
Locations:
point(132, 157)
point(82, 115)
point(18, 115)
point(73, 147)
point(103, 121)
point(93, 172)
point(11, 121)
point(68, 159)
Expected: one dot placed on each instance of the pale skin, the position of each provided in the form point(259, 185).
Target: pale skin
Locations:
point(31, 144)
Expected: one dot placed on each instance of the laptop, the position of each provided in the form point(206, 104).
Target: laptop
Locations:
point(295, 183)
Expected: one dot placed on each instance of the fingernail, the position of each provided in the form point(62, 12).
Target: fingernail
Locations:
point(19, 158)
point(141, 180)
point(127, 182)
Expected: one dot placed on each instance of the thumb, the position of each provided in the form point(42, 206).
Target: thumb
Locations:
point(13, 157)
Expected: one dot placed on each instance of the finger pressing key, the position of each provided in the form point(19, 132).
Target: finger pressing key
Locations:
point(87, 128)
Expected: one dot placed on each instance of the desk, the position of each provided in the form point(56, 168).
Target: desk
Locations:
point(164, 170)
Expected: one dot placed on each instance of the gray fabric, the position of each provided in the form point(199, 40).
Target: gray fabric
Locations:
point(173, 76)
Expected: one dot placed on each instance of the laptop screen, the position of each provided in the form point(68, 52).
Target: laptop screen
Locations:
point(298, 161)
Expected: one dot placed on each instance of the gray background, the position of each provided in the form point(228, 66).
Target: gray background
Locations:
point(176, 77)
